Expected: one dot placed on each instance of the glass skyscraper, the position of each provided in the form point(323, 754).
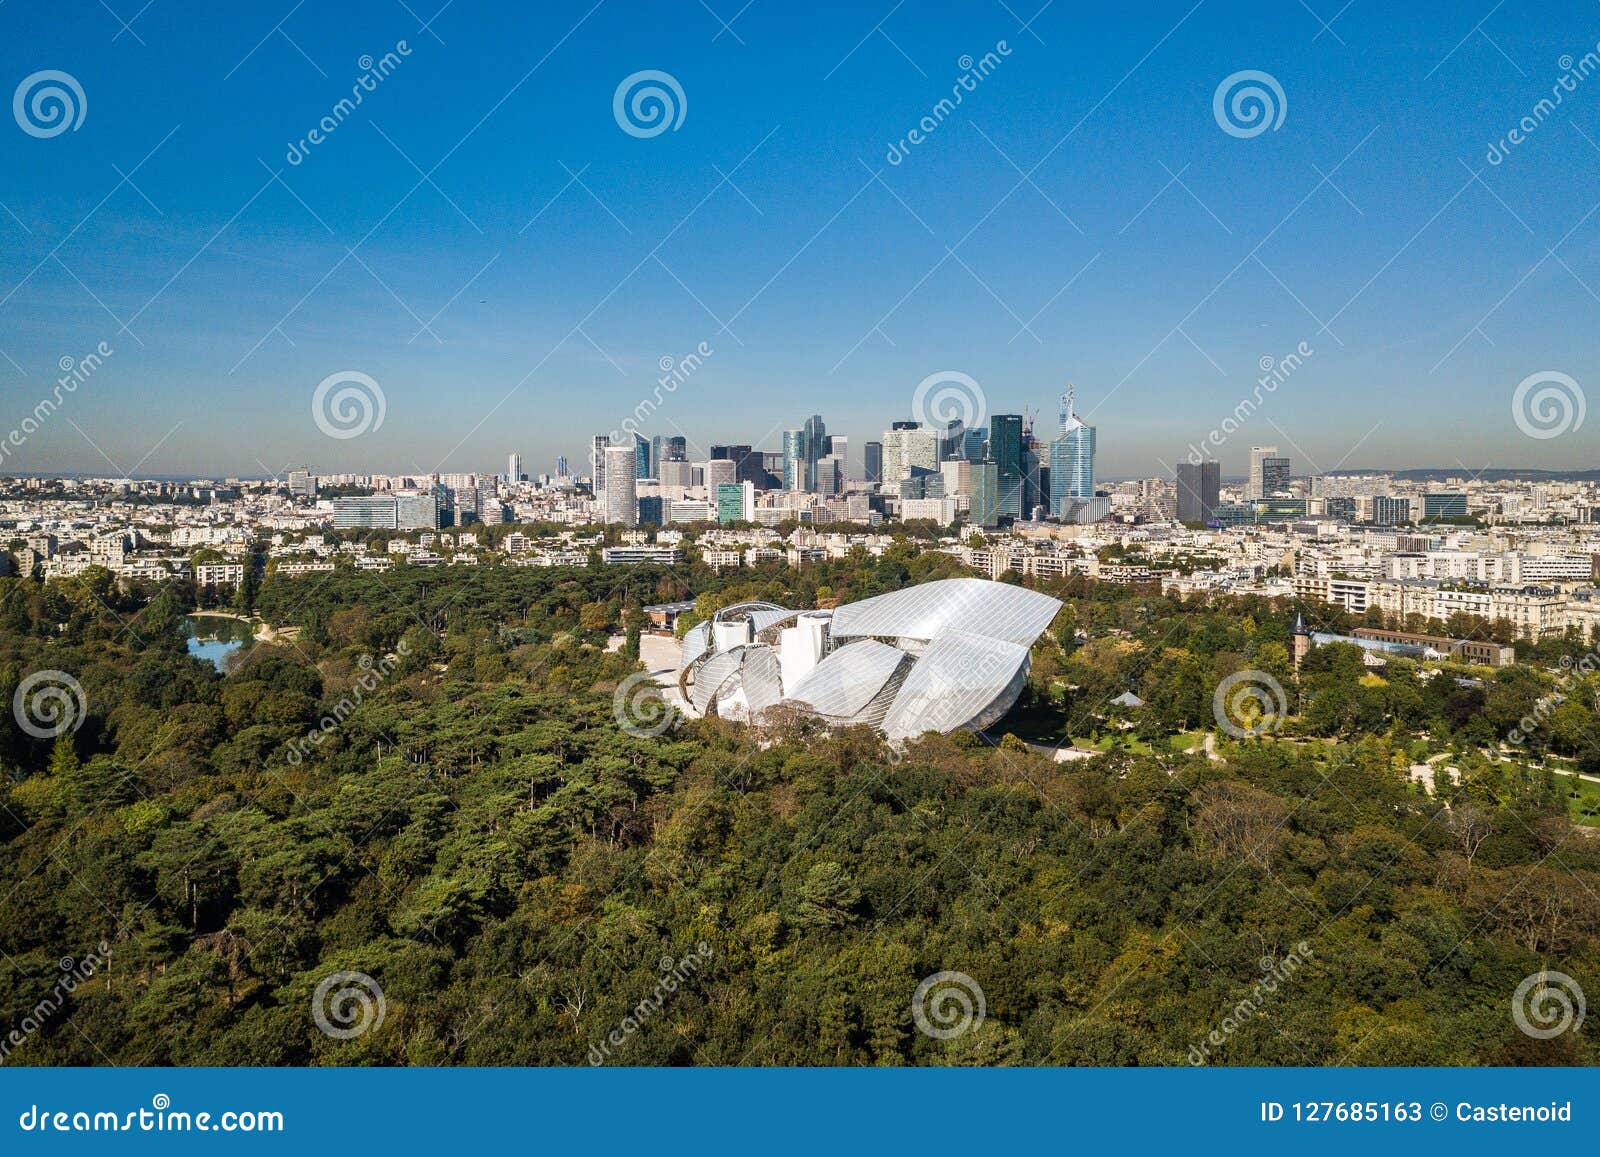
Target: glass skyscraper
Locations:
point(1005, 448)
point(1071, 462)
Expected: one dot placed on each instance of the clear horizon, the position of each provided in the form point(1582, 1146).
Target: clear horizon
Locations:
point(513, 253)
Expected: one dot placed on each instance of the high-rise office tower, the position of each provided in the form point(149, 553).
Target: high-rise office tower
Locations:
point(720, 472)
point(1071, 460)
point(985, 496)
point(794, 460)
point(641, 457)
point(677, 448)
point(621, 491)
point(597, 462)
point(658, 445)
point(816, 445)
point(561, 466)
point(514, 468)
point(1005, 450)
point(1274, 476)
point(302, 483)
point(1199, 487)
point(874, 461)
point(1253, 479)
point(974, 444)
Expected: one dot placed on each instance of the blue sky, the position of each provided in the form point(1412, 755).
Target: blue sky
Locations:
point(1154, 258)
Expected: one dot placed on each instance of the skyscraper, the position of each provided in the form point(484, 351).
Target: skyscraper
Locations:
point(1005, 449)
point(816, 445)
point(1199, 487)
point(514, 468)
point(677, 447)
point(561, 466)
point(597, 462)
point(985, 497)
point(1274, 476)
point(1253, 479)
point(974, 444)
point(641, 457)
point(794, 460)
point(874, 463)
point(621, 502)
point(1071, 460)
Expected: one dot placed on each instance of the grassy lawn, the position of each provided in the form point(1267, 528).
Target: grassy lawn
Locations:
point(1583, 800)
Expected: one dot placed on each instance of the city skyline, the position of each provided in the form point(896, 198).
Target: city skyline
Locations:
point(512, 261)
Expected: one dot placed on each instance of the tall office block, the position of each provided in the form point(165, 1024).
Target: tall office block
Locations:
point(1199, 486)
point(642, 464)
point(597, 463)
point(1005, 450)
point(621, 502)
point(514, 468)
point(874, 461)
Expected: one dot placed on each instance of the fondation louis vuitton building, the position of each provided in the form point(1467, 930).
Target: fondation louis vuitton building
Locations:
point(935, 657)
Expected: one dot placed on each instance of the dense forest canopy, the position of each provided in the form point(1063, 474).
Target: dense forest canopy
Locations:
point(518, 876)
